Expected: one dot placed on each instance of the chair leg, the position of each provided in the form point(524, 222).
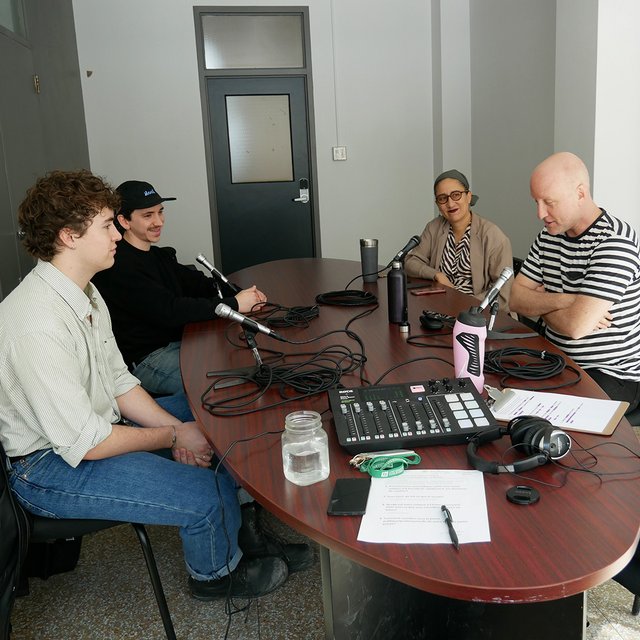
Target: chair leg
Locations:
point(145, 543)
point(635, 609)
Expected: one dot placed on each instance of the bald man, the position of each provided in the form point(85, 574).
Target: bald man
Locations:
point(582, 277)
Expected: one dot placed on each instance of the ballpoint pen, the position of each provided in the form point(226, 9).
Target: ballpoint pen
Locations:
point(452, 532)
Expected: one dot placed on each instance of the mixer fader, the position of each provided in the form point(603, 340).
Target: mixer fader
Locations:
point(408, 415)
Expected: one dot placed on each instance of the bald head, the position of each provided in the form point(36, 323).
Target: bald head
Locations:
point(560, 187)
point(563, 167)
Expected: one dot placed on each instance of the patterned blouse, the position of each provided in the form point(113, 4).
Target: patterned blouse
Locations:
point(456, 262)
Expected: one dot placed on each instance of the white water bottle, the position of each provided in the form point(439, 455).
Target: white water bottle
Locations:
point(469, 335)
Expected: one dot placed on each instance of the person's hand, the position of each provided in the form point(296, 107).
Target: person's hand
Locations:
point(191, 446)
point(604, 322)
point(250, 299)
point(440, 278)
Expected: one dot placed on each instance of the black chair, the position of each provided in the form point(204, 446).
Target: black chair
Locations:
point(49, 529)
point(629, 578)
point(517, 263)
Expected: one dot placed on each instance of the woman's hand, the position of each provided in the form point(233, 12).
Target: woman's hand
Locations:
point(440, 278)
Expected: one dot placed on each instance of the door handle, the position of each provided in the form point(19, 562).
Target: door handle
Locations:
point(304, 192)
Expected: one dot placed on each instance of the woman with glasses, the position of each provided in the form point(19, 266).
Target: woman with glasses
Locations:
point(459, 249)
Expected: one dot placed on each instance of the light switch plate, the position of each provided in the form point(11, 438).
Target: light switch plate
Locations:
point(339, 153)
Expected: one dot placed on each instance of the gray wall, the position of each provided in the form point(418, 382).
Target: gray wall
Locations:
point(38, 132)
point(52, 36)
point(513, 96)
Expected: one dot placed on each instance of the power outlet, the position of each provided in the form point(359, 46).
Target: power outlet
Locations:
point(339, 153)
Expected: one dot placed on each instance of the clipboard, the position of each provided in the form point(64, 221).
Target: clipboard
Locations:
point(572, 413)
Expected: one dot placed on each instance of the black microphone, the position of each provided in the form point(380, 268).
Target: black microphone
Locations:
point(412, 244)
point(225, 311)
point(492, 294)
point(207, 265)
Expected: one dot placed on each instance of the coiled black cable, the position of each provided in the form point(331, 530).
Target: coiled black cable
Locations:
point(537, 365)
point(347, 298)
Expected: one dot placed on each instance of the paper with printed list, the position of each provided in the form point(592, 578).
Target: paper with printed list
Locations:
point(406, 509)
point(573, 413)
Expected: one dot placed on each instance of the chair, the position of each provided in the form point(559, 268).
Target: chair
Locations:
point(629, 578)
point(48, 529)
point(517, 263)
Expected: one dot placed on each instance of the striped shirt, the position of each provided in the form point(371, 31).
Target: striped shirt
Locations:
point(61, 368)
point(456, 261)
point(603, 262)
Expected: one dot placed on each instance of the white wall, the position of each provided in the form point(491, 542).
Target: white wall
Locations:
point(617, 125)
point(490, 87)
point(144, 118)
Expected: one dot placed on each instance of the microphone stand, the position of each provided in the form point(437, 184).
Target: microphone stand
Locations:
point(235, 377)
point(250, 337)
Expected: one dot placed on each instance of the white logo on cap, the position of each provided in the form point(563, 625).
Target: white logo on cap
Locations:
point(148, 193)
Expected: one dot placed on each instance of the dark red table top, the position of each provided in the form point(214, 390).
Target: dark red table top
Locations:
point(582, 532)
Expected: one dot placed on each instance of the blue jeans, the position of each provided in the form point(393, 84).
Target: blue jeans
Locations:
point(141, 487)
point(159, 372)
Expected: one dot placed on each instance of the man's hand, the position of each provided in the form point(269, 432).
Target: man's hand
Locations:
point(250, 299)
point(191, 446)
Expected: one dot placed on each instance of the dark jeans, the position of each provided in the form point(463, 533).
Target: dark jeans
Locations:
point(617, 389)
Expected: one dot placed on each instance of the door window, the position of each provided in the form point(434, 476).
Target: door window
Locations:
point(259, 133)
point(12, 16)
point(253, 41)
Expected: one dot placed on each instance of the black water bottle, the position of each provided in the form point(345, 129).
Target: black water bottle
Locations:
point(397, 293)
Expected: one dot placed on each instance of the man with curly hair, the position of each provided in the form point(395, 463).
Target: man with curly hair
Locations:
point(66, 394)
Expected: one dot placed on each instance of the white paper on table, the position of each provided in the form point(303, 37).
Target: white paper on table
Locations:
point(591, 415)
point(406, 509)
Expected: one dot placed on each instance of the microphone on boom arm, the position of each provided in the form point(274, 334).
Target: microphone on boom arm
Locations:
point(207, 265)
point(225, 311)
point(492, 294)
point(414, 241)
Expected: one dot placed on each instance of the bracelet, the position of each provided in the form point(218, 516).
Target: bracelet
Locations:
point(175, 436)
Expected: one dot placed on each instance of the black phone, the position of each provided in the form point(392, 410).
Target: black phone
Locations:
point(349, 497)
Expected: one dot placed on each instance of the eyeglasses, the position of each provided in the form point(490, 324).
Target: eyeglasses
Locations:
point(454, 195)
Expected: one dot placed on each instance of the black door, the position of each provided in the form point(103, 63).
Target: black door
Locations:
point(260, 142)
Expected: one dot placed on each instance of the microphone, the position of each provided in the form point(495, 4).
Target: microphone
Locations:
point(412, 244)
point(492, 294)
point(207, 265)
point(225, 311)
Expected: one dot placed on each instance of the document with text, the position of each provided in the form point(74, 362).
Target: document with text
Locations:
point(407, 509)
point(576, 413)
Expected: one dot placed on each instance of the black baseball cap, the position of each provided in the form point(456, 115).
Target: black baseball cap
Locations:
point(139, 195)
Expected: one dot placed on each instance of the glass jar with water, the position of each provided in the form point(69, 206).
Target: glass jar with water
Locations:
point(305, 450)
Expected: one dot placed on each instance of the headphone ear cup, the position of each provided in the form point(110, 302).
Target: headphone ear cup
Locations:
point(525, 434)
point(519, 432)
point(552, 442)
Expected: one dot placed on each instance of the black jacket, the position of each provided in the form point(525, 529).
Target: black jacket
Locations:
point(151, 296)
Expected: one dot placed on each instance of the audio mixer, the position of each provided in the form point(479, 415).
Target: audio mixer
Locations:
point(408, 415)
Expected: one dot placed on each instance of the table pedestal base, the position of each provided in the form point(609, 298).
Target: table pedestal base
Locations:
point(360, 603)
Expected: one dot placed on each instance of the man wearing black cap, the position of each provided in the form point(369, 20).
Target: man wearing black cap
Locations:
point(151, 296)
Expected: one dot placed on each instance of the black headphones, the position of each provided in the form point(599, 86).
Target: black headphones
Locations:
point(535, 437)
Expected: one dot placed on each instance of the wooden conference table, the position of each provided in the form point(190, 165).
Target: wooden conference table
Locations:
point(528, 582)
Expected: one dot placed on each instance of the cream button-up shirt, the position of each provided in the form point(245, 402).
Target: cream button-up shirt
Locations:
point(60, 367)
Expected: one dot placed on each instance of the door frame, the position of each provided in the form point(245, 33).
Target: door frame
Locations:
point(305, 71)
